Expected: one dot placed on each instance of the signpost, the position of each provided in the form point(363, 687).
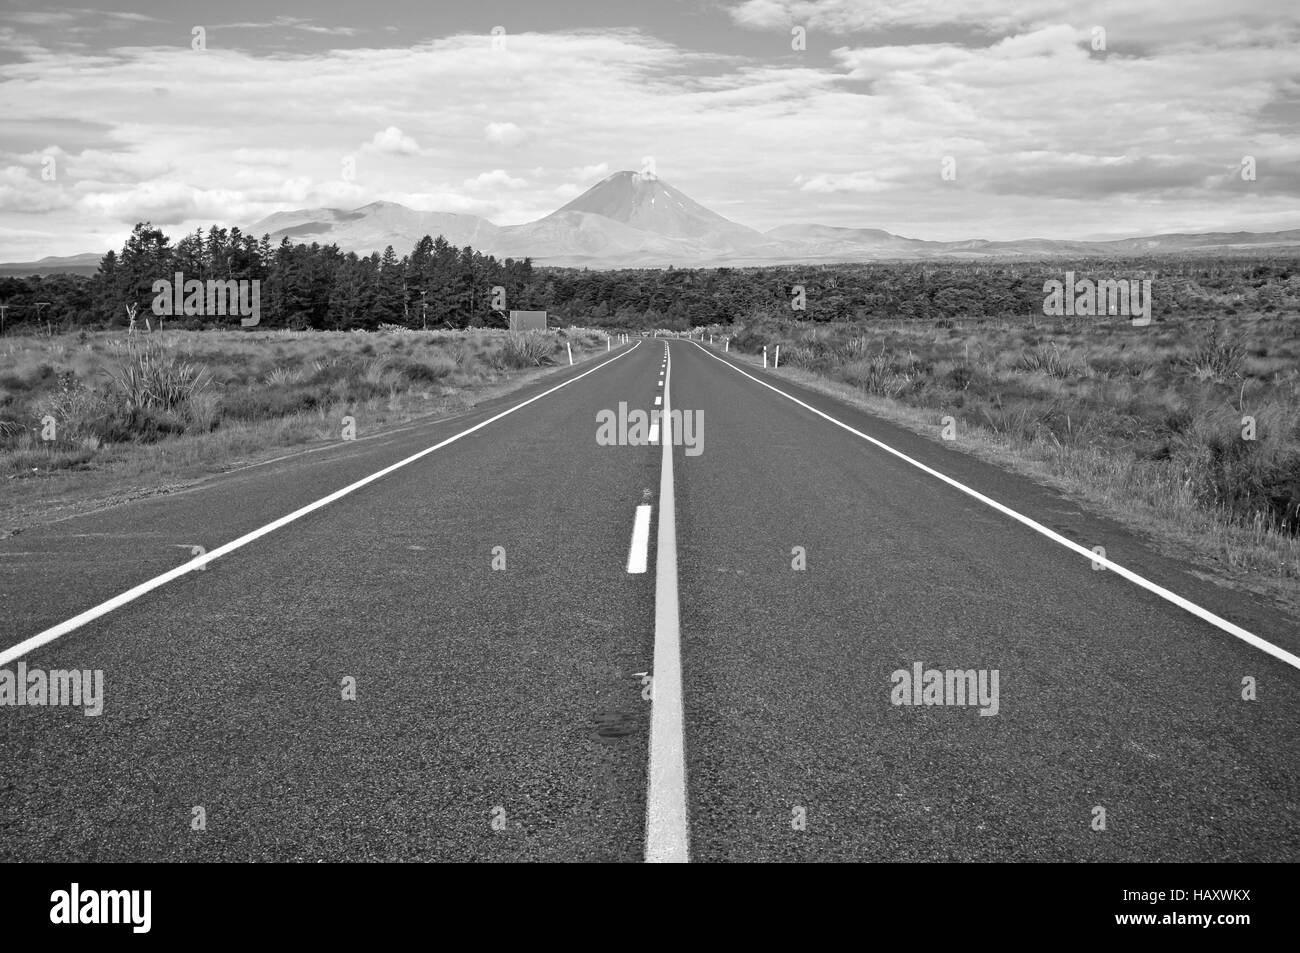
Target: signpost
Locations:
point(527, 320)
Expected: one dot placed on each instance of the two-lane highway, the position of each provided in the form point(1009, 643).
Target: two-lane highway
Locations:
point(512, 658)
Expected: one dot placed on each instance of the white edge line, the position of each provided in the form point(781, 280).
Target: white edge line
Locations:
point(1204, 614)
point(636, 553)
point(667, 824)
point(77, 621)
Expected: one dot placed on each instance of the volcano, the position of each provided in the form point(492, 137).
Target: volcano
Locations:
point(635, 219)
point(644, 201)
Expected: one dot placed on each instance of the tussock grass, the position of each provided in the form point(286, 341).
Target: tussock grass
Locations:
point(173, 404)
point(1151, 421)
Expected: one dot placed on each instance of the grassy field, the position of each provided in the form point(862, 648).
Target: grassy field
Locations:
point(1188, 430)
point(92, 417)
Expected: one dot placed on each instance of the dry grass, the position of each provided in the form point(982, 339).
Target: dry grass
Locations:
point(1149, 422)
point(94, 416)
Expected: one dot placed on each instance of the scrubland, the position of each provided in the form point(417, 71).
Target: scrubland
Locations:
point(1187, 428)
point(93, 416)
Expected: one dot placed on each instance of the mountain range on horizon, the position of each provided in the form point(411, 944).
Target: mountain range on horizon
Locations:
point(635, 219)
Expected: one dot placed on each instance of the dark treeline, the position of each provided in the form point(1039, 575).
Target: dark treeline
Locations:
point(681, 298)
point(301, 286)
point(439, 285)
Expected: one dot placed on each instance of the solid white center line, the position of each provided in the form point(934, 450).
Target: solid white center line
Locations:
point(1186, 604)
point(636, 554)
point(199, 562)
point(667, 838)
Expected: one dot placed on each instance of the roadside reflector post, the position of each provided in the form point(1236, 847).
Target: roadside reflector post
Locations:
point(609, 343)
point(765, 355)
point(726, 346)
point(776, 359)
point(569, 347)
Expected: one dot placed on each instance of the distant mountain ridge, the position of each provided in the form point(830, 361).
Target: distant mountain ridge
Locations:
point(635, 219)
point(632, 219)
point(87, 263)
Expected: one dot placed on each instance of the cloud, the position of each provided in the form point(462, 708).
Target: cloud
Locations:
point(64, 18)
point(849, 182)
point(1048, 136)
point(504, 134)
point(263, 157)
point(290, 23)
point(587, 172)
point(392, 141)
point(1152, 24)
point(496, 179)
point(163, 203)
point(22, 192)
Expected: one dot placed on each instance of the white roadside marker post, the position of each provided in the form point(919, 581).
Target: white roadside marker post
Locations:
point(726, 346)
point(765, 355)
point(609, 344)
point(569, 347)
point(776, 362)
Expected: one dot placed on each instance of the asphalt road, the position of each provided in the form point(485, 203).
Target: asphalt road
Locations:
point(505, 714)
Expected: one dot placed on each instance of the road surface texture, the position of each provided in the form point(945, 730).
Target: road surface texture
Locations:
point(506, 713)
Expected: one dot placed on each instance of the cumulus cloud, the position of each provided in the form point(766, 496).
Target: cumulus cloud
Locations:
point(164, 203)
point(1048, 136)
point(392, 141)
point(848, 182)
point(20, 191)
point(504, 134)
point(496, 179)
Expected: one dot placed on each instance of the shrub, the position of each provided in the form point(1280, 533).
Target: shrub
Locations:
point(527, 349)
point(146, 380)
point(427, 372)
point(265, 404)
point(1214, 358)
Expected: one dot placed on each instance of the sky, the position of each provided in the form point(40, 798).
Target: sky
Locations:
point(932, 119)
